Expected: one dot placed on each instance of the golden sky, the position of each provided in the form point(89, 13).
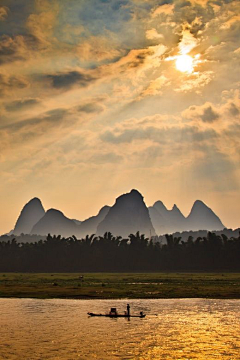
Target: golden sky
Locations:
point(101, 96)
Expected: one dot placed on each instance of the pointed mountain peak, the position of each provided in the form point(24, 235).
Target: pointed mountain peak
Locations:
point(135, 193)
point(34, 200)
point(199, 203)
point(133, 196)
point(159, 203)
point(128, 215)
point(176, 210)
point(200, 206)
point(31, 213)
point(202, 217)
point(160, 207)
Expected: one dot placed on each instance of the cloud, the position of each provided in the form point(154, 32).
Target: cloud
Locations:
point(165, 9)
point(32, 135)
point(21, 104)
point(41, 24)
point(134, 65)
point(50, 117)
point(206, 113)
point(217, 169)
point(106, 158)
point(231, 21)
point(90, 108)
point(195, 81)
point(4, 10)
point(233, 109)
point(160, 133)
point(155, 86)
point(209, 115)
point(12, 83)
point(97, 48)
point(187, 43)
point(69, 79)
point(17, 47)
point(153, 34)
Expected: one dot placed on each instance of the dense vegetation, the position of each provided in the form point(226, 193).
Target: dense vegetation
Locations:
point(114, 254)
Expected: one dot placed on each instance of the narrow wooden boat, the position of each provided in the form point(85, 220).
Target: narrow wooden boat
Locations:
point(118, 315)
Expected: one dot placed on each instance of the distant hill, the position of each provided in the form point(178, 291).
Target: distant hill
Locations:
point(55, 222)
point(31, 213)
point(166, 221)
point(202, 217)
point(89, 226)
point(128, 215)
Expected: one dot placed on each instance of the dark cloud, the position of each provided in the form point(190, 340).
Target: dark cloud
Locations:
point(90, 108)
point(139, 59)
point(21, 104)
point(209, 115)
point(67, 80)
point(233, 110)
point(206, 113)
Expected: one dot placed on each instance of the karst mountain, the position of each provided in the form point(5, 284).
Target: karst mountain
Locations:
point(129, 214)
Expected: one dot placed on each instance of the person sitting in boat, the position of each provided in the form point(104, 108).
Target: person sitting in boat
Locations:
point(113, 312)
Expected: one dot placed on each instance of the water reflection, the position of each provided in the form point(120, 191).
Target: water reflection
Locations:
point(173, 329)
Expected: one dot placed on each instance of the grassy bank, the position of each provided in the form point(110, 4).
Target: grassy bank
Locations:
point(106, 286)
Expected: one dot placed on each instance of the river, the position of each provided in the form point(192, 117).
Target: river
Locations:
point(173, 329)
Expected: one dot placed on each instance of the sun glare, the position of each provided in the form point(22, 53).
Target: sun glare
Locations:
point(184, 63)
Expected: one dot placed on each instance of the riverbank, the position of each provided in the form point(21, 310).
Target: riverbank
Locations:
point(120, 285)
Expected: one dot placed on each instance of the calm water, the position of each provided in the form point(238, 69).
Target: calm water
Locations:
point(173, 329)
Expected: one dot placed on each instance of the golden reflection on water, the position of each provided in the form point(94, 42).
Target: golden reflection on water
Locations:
point(173, 329)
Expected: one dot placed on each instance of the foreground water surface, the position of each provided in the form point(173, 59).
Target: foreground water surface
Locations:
point(173, 329)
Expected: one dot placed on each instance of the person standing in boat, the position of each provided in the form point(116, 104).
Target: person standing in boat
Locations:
point(128, 310)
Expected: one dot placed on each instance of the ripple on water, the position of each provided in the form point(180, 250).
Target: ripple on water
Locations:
point(173, 329)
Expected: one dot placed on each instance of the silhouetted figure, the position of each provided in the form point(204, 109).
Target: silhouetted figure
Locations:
point(128, 310)
point(113, 312)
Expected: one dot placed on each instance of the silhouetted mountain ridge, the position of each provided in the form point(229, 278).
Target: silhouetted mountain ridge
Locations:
point(128, 215)
point(201, 217)
point(31, 213)
point(55, 222)
point(89, 226)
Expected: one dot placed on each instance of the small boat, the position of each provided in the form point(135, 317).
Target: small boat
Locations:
point(114, 314)
point(117, 315)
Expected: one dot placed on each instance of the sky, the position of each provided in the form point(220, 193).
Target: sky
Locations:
point(98, 97)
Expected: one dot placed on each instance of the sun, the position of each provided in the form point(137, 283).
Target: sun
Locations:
point(184, 63)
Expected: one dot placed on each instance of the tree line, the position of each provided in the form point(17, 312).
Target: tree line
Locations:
point(110, 253)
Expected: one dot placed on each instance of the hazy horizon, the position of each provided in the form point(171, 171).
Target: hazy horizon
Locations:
point(99, 97)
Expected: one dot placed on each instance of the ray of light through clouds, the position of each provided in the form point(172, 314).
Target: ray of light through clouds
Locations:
point(101, 96)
